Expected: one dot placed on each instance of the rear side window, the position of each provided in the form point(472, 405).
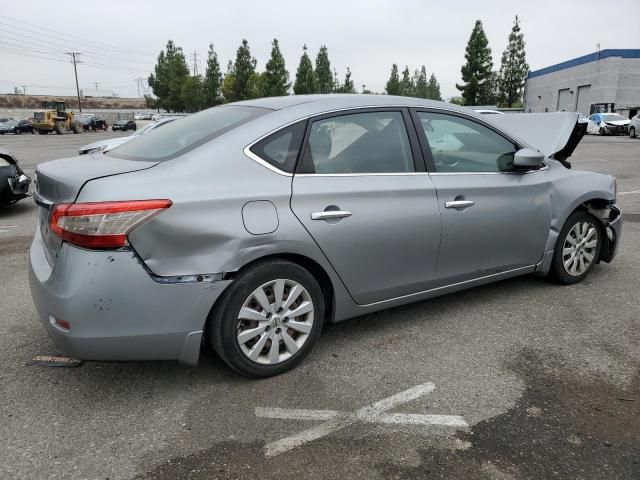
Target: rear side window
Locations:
point(281, 148)
point(373, 142)
point(185, 134)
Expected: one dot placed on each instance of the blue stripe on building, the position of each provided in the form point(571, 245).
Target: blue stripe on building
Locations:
point(592, 57)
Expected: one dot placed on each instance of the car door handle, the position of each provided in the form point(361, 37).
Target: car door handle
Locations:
point(459, 204)
point(329, 214)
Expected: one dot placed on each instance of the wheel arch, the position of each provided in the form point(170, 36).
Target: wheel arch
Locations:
point(319, 272)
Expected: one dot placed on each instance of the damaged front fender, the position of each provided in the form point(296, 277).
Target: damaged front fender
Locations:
point(610, 217)
point(14, 183)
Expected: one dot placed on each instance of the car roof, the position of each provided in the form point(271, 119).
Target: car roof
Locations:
point(321, 103)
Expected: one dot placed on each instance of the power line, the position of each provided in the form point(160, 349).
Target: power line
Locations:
point(84, 41)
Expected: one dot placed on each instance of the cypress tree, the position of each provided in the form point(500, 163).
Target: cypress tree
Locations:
point(212, 83)
point(171, 71)
point(406, 84)
point(305, 77)
point(276, 77)
point(393, 84)
point(421, 84)
point(434, 88)
point(228, 83)
point(324, 78)
point(348, 86)
point(243, 68)
point(514, 67)
point(476, 72)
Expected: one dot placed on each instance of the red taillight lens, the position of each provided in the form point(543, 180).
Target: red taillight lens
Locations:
point(102, 224)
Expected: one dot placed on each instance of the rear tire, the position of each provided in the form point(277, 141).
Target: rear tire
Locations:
point(632, 132)
point(60, 128)
point(241, 310)
point(577, 249)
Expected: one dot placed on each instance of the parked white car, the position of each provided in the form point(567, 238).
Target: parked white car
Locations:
point(608, 124)
point(634, 126)
point(107, 144)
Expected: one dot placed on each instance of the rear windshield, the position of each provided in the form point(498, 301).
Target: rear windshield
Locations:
point(184, 134)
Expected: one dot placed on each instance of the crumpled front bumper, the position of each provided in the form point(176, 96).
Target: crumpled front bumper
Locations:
point(613, 230)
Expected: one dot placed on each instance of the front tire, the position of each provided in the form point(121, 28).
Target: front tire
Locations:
point(602, 132)
point(632, 132)
point(268, 319)
point(577, 249)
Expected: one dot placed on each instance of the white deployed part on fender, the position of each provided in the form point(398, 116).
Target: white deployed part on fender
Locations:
point(548, 133)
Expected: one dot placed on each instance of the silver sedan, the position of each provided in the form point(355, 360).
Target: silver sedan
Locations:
point(250, 225)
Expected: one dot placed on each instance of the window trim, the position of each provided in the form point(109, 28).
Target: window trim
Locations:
point(414, 145)
point(426, 148)
point(266, 163)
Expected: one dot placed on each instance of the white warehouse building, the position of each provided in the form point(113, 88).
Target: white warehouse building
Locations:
point(604, 81)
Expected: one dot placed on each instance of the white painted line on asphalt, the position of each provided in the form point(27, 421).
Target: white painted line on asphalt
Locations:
point(335, 420)
point(632, 192)
point(296, 413)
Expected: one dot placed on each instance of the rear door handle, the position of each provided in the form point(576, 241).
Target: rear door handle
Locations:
point(459, 204)
point(328, 214)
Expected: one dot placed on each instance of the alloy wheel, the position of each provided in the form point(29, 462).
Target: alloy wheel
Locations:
point(275, 321)
point(579, 249)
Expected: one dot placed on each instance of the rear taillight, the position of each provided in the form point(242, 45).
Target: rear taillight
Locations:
point(102, 224)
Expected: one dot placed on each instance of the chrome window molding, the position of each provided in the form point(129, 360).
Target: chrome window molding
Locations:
point(516, 172)
point(247, 150)
point(391, 174)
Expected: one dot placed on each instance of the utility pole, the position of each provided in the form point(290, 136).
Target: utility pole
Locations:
point(194, 56)
point(24, 89)
point(96, 84)
point(75, 61)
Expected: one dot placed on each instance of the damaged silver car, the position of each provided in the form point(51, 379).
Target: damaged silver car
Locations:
point(14, 183)
point(250, 225)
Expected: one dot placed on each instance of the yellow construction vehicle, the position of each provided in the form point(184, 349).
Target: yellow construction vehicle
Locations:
point(54, 118)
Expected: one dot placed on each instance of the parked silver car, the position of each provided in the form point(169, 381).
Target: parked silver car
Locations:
point(252, 224)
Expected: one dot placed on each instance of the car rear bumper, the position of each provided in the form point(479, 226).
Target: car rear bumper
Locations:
point(115, 309)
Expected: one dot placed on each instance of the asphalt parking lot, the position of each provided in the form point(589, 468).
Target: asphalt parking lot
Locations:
point(519, 379)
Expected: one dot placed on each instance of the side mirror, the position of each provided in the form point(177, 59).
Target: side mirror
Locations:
point(527, 159)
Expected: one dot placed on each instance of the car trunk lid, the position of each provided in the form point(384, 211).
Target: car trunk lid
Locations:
point(60, 181)
point(554, 134)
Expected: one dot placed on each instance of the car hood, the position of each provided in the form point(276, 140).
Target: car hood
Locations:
point(108, 144)
point(554, 134)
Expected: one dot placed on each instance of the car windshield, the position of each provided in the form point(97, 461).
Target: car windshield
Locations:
point(185, 134)
point(611, 117)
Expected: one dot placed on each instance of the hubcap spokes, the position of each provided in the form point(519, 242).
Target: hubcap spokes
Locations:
point(275, 321)
point(579, 249)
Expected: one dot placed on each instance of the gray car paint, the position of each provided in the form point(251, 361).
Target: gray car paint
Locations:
point(392, 251)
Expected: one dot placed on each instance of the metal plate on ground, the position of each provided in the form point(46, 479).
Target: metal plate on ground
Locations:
point(54, 360)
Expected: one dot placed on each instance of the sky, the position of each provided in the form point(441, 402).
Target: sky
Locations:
point(119, 40)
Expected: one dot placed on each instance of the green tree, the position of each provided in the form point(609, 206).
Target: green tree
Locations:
point(393, 84)
point(433, 88)
point(305, 77)
point(348, 86)
point(336, 82)
point(324, 79)
point(243, 68)
point(275, 79)
point(193, 94)
point(170, 72)
point(514, 67)
point(406, 84)
point(456, 100)
point(257, 85)
point(422, 84)
point(476, 72)
point(212, 83)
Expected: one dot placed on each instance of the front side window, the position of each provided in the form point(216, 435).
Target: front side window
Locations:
point(187, 133)
point(459, 145)
point(373, 142)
